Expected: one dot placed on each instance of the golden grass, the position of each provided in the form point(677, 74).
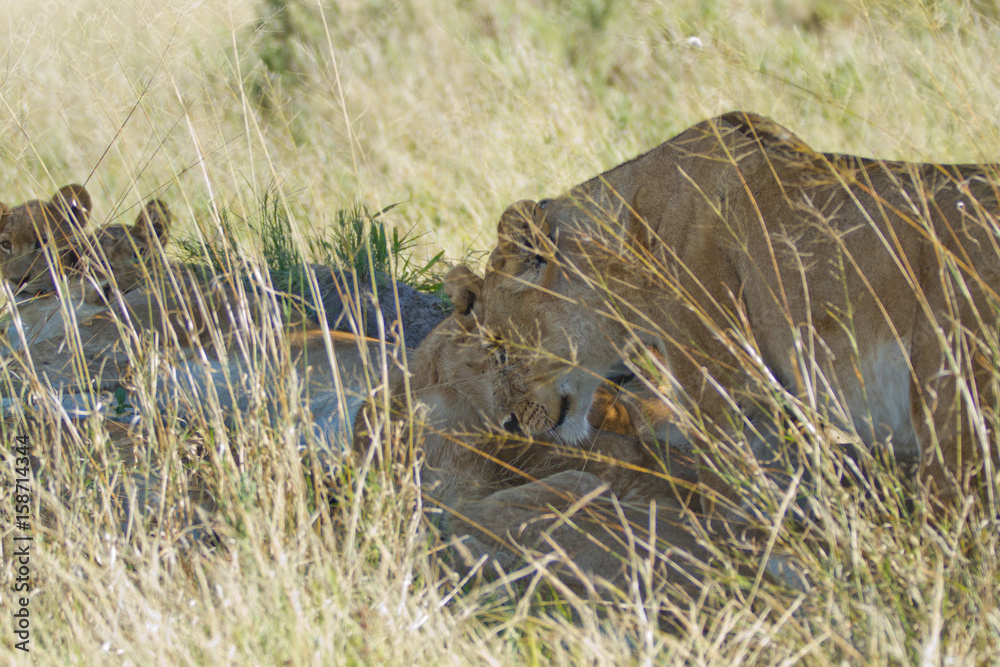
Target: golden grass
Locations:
point(456, 110)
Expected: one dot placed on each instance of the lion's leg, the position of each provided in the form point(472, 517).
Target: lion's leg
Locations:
point(638, 469)
point(943, 419)
point(721, 454)
point(508, 522)
point(567, 525)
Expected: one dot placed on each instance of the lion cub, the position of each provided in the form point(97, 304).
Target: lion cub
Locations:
point(36, 245)
point(46, 251)
point(129, 300)
point(504, 496)
point(464, 455)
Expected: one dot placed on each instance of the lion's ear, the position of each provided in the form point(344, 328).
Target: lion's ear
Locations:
point(74, 202)
point(523, 234)
point(464, 288)
point(765, 131)
point(154, 220)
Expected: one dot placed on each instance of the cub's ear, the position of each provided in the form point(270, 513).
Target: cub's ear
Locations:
point(464, 288)
point(523, 236)
point(4, 215)
point(74, 202)
point(155, 219)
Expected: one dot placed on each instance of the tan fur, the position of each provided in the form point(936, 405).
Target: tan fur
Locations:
point(452, 400)
point(508, 495)
point(124, 257)
point(728, 248)
point(38, 241)
point(29, 231)
point(93, 266)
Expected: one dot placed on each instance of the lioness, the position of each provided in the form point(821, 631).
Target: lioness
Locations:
point(865, 287)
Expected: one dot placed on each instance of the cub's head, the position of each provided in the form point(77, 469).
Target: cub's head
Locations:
point(121, 257)
point(37, 237)
point(450, 368)
point(551, 345)
point(449, 375)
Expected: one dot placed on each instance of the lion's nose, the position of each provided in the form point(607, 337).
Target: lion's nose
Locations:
point(512, 425)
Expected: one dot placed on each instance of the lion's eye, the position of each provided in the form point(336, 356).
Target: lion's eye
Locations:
point(5, 245)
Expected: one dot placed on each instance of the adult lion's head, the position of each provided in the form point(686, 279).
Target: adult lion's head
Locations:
point(553, 339)
point(630, 255)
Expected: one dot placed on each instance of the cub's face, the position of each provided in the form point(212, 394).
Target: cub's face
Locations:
point(450, 371)
point(120, 257)
point(449, 375)
point(36, 238)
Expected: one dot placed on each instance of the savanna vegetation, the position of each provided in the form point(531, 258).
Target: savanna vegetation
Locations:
point(389, 137)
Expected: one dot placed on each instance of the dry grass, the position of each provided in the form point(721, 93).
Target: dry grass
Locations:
point(455, 110)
